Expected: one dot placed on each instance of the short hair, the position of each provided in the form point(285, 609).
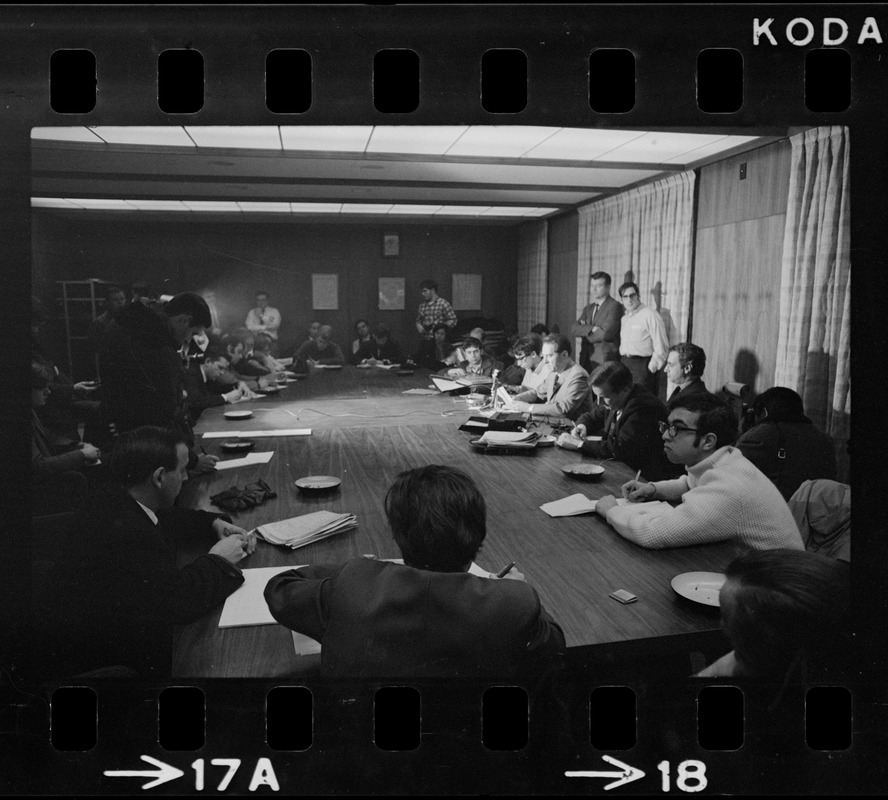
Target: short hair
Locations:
point(326, 330)
point(472, 341)
point(782, 405)
point(561, 342)
point(627, 285)
point(262, 342)
point(360, 321)
point(261, 292)
point(612, 376)
point(540, 329)
point(690, 355)
point(783, 606)
point(382, 329)
point(441, 327)
point(429, 284)
point(143, 289)
point(232, 340)
point(597, 276)
point(138, 452)
point(41, 375)
point(716, 417)
point(437, 516)
point(532, 343)
point(192, 305)
point(110, 290)
point(214, 353)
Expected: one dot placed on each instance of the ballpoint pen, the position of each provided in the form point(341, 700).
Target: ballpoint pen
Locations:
point(505, 570)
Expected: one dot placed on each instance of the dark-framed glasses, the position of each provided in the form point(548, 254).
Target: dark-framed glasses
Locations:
point(673, 430)
point(629, 295)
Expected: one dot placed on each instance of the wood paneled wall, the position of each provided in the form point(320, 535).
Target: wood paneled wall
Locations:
point(739, 247)
point(233, 260)
point(562, 301)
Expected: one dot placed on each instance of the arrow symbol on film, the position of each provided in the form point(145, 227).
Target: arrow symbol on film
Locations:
point(163, 773)
point(626, 774)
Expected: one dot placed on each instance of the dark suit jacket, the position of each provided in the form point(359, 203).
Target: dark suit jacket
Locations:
point(696, 386)
point(634, 438)
point(201, 394)
point(372, 349)
point(378, 619)
point(603, 345)
point(808, 453)
point(119, 592)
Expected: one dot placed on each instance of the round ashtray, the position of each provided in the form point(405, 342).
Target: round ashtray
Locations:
point(318, 483)
point(243, 414)
point(585, 472)
point(238, 445)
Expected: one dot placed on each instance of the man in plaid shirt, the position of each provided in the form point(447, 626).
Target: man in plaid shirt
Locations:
point(433, 310)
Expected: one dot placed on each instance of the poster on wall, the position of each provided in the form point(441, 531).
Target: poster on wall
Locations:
point(466, 292)
point(391, 294)
point(325, 292)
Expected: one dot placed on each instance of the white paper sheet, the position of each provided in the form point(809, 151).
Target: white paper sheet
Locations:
point(251, 434)
point(248, 460)
point(246, 605)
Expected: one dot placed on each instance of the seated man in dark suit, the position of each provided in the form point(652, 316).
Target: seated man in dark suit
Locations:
point(785, 444)
point(427, 617)
point(206, 387)
point(630, 416)
point(118, 592)
point(684, 369)
point(380, 348)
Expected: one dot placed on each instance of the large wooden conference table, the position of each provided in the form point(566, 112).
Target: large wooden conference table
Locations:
point(365, 430)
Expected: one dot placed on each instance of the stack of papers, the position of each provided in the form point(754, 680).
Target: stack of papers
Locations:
point(509, 439)
point(246, 461)
point(256, 434)
point(306, 529)
point(573, 505)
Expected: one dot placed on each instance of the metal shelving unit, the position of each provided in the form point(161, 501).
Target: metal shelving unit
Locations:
point(81, 303)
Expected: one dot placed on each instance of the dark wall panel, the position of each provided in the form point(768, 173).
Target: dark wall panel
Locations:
point(563, 234)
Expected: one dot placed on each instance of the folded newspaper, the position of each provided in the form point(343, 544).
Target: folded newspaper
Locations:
point(306, 529)
point(518, 439)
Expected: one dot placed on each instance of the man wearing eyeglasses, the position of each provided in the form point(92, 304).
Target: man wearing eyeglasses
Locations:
point(643, 342)
point(723, 495)
point(564, 391)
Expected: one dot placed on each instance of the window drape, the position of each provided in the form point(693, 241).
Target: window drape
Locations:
point(645, 235)
point(533, 261)
point(813, 348)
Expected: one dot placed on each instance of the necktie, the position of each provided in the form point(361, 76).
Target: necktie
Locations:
point(594, 310)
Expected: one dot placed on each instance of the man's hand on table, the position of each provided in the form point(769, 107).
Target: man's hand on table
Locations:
point(637, 492)
point(605, 504)
point(225, 529)
point(231, 548)
point(205, 463)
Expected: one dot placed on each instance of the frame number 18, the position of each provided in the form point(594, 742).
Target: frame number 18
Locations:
point(690, 776)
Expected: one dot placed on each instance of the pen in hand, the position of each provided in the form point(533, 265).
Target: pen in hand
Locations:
point(505, 570)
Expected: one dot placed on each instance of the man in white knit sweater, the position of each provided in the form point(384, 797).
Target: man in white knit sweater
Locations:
point(723, 496)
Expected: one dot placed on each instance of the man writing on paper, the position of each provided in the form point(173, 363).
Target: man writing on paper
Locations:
point(723, 495)
point(565, 390)
point(118, 590)
point(427, 617)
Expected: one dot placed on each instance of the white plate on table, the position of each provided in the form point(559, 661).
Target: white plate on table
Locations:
point(318, 482)
point(364, 366)
point(243, 414)
point(701, 587)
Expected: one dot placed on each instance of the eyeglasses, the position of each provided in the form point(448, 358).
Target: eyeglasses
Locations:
point(629, 295)
point(674, 429)
point(520, 356)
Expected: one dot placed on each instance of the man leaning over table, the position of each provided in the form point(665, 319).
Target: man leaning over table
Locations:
point(565, 390)
point(722, 497)
point(118, 591)
point(427, 617)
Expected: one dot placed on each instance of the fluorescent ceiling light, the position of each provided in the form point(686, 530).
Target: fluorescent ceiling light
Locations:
point(169, 136)
point(366, 208)
point(424, 139)
point(257, 206)
point(329, 138)
point(66, 134)
point(158, 205)
point(467, 211)
point(711, 149)
point(509, 141)
point(211, 205)
point(104, 204)
point(505, 211)
point(417, 209)
point(539, 212)
point(264, 137)
point(661, 146)
point(51, 202)
point(581, 144)
point(316, 208)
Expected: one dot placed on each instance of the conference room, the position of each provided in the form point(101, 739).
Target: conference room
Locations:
point(341, 224)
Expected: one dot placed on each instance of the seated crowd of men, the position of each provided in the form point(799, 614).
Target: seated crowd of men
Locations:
point(704, 481)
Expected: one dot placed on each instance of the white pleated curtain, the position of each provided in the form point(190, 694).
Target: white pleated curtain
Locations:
point(645, 235)
point(814, 343)
point(533, 261)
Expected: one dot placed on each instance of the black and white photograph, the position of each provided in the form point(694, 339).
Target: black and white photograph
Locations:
point(443, 400)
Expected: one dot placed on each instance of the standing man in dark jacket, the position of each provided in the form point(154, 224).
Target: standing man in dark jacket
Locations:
point(118, 592)
point(630, 429)
point(143, 376)
point(785, 444)
point(599, 324)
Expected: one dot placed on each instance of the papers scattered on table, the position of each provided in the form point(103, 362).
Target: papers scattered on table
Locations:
point(255, 434)
point(509, 439)
point(568, 442)
point(247, 460)
point(574, 505)
point(306, 529)
point(419, 391)
point(246, 605)
point(304, 645)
